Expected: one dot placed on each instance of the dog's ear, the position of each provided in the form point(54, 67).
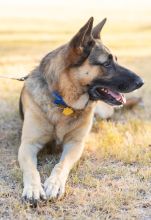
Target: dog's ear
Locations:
point(97, 29)
point(81, 44)
point(84, 36)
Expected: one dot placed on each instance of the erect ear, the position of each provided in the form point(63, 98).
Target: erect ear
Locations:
point(81, 44)
point(97, 29)
point(84, 37)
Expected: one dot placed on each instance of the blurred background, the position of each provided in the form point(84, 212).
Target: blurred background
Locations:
point(31, 28)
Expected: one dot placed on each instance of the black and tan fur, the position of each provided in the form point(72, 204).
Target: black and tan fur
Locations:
point(71, 70)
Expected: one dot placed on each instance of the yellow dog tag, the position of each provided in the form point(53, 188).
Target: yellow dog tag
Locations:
point(67, 111)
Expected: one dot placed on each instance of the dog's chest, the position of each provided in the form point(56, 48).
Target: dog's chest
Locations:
point(65, 125)
point(68, 125)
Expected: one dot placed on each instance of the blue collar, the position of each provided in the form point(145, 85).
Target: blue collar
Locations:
point(58, 100)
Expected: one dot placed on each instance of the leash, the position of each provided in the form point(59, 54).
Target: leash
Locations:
point(14, 78)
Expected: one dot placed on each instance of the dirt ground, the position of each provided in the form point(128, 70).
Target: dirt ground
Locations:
point(113, 178)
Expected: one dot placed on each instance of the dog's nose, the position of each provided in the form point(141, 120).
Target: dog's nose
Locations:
point(139, 83)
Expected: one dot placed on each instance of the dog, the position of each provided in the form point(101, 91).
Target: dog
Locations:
point(57, 103)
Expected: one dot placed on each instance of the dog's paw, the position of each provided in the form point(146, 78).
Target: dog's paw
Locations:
point(54, 187)
point(33, 193)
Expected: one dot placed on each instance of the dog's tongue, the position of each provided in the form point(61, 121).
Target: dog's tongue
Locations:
point(117, 96)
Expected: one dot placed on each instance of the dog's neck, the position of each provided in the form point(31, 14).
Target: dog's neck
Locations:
point(37, 84)
point(71, 93)
point(59, 80)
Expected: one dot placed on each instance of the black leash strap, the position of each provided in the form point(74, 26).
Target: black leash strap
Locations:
point(14, 78)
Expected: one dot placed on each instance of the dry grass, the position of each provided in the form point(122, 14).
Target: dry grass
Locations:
point(113, 178)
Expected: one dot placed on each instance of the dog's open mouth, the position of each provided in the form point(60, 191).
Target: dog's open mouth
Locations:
point(107, 95)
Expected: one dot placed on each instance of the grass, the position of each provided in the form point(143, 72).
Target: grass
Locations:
point(123, 140)
point(113, 178)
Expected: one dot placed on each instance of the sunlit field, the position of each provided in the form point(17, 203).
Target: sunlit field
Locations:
point(113, 178)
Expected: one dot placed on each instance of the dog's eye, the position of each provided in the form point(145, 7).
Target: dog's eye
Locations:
point(107, 63)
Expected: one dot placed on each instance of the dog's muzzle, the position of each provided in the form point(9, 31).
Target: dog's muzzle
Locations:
point(111, 91)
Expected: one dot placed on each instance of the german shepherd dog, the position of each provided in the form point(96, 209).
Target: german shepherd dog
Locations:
point(57, 103)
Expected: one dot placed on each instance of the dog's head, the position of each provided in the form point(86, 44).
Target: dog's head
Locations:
point(91, 68)
point(97, 69)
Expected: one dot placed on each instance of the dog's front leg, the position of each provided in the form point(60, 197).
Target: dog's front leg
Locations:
point(55, 184)
point(35, 134)
point(28, 163)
